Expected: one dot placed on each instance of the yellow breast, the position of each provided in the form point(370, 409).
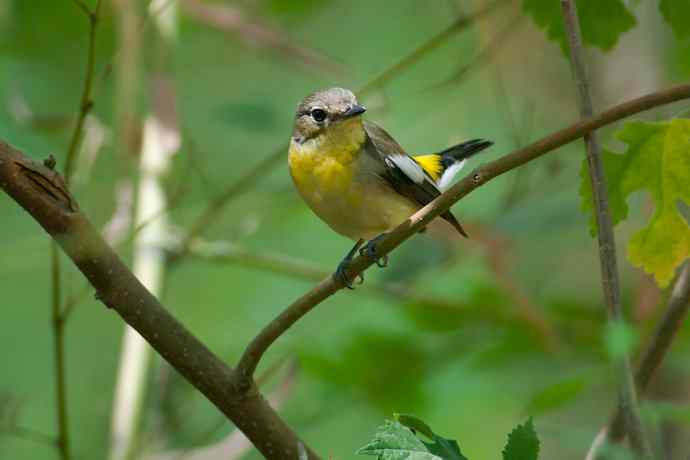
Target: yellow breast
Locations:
point(325, 165)
point(326, 172)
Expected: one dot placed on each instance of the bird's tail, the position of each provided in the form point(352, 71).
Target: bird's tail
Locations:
point(453, 159)
point(443, 167)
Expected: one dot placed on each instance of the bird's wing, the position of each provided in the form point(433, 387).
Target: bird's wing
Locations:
point(401, 172)
point(405, 175)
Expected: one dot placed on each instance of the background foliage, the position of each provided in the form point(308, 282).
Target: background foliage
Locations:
point(507, 324)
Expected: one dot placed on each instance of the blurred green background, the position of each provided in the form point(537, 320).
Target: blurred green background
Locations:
point(482, 326)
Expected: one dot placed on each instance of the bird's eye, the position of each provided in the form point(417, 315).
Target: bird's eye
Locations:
point(318, 114)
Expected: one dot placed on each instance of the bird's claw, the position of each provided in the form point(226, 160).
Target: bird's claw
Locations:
point(341, 277)
point(369, 250)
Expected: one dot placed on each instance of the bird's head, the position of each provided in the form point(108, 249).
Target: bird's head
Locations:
point(330, 112)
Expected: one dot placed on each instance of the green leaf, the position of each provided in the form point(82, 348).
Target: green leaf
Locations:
point(677, 14)
point(447, 449)
point(396, 442)
point(555, 396)
point(523, 443)
point(601, 21)
point(657, 159)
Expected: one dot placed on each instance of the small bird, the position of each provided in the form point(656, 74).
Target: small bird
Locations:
point(357, 178)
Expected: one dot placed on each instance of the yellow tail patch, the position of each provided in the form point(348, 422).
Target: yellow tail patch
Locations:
point(431, 164)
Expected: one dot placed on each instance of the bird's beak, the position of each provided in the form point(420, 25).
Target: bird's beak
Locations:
point(353, 111)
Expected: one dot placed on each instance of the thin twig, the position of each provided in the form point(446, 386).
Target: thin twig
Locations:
point(42, 193)
point(263, 169)
point(327, 287)
point(627, 394)
point(58, 324)
point(431, 44)
point(232, 19)
point(654, 354)
point(85, 104)
point(484, 55)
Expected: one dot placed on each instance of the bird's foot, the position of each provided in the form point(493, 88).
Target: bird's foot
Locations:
point(369, 250)
point(340, 274)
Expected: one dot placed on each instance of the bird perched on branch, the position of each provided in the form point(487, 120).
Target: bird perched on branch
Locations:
point(357, 178)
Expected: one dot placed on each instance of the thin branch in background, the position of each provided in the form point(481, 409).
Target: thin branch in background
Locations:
point(304, 270)
point(326, 288)
point(58, 327)
point(57, 314)
point(627, 394)
point(86, 103)
point(652, 357)
point(483, 56)
point(44, 195)
point(425, 48)
point(231, 19)
point(263, 169)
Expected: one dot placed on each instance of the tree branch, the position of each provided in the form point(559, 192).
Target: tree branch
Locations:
point(43, 193)
point(627, 394)
point(327, 287)
point(653, 356)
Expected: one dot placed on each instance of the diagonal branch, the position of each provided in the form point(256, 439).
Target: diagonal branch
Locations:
point(327, 287)
point(43, 194)
point(627, 394)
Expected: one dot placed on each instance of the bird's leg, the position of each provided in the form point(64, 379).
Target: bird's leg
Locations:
point(369, 250)
point(340, 274)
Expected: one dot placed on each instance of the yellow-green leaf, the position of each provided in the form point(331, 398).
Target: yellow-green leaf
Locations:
point(657, 160)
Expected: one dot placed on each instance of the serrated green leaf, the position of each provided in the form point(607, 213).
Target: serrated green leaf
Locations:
point(393, 441)
point(677, 14)
point(555, 396)
point(602, 21)
point(657, 160)
point(447, 449)
point(523, 443)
